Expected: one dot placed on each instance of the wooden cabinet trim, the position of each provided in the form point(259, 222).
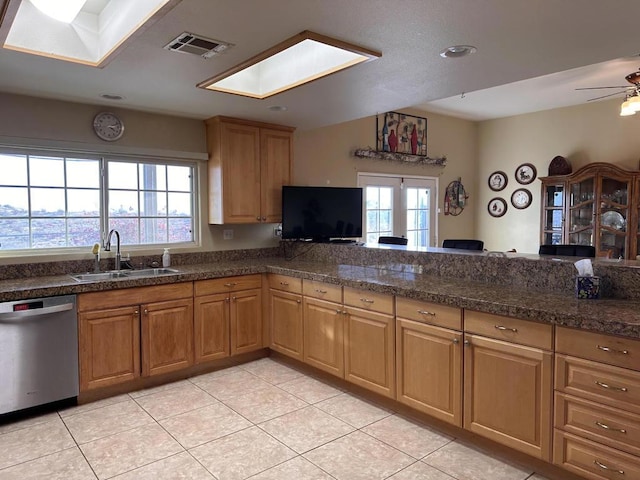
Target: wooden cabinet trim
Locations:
point(514, 330)
point(133, 296)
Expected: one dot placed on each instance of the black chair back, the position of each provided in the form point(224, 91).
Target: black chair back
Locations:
point(393, 240)
point(568, 250)
point(464, 244)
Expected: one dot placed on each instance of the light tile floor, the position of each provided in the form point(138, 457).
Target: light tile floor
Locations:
point(262, 420)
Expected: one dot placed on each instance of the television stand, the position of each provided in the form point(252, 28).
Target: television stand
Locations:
point(341, 240)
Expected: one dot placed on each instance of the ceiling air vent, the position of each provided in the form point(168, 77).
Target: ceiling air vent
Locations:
point(196, 45)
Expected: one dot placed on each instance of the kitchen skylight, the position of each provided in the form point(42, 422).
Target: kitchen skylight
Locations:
point(92, 37)
point(301, 59)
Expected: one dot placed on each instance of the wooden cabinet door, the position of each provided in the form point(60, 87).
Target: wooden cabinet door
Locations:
point(369, 350)
point(276, 148)
point(508, 394)
point(167, 336)
point(109, 347)
point(286, 323)
point(240, 154)
point(323, 334)
point(246, 321)
point(211, 327)
point(429, 369)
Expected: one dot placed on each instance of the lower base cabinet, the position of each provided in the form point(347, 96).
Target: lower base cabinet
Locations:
point(126, 333)
point(508, 394)
point(323, 335)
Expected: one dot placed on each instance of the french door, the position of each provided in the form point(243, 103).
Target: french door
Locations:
point(401, 206)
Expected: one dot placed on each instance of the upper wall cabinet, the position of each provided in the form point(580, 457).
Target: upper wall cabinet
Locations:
point(597, 205)
point(249, 162)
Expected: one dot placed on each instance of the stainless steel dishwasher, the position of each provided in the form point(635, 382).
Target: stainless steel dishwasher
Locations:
point(38, 352)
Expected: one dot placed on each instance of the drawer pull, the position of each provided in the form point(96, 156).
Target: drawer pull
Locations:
point(232, 284)
point(604, 467)
point(609, 387)
point(607, 427)
point(284, 284)
point(424, 312)
point(320, 291)
point(502, 327)
point(612, 350)
point(456, 341)
point(366, 300)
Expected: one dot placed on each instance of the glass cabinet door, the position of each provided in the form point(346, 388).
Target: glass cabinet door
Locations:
point(613, 217)
point(553, 214)
point(581, 212)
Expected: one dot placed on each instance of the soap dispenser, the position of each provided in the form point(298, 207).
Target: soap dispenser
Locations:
point(166, 258)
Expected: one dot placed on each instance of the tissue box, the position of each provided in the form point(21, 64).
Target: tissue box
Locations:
point(587, 287)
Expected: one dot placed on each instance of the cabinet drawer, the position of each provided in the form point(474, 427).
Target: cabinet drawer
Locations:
point(622, 352)
point(607, 425)
point(323, 291)
point(227, 284)
point(433, 313)
point(514, 330)
point(134, 296)
point(614, 386)
point(592, 460)
point(376, 302)
point(285, 283)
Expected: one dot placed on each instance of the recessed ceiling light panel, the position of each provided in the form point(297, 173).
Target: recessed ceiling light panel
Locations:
point(457, 51)
point(301, 59)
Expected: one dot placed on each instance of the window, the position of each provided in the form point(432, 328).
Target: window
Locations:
point(400, 206)
point(58, 201)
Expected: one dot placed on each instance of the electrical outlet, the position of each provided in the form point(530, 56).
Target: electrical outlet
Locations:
point(277, 231)
point(227, 234)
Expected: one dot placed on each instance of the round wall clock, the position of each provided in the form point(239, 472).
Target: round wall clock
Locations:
point(526, 173)
point(108, 126)
point(497, 207)
point(497, 181)
point(521, 198)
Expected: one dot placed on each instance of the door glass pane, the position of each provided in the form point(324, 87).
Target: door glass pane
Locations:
point(418, 216)
point(379, 212)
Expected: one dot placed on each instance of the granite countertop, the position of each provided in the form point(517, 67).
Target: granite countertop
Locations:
point(612, 316)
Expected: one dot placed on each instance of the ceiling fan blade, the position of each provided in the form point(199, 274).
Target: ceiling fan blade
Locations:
point(598, 88)
point(605, 96)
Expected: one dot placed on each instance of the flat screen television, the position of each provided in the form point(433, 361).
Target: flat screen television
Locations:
point(321, 214)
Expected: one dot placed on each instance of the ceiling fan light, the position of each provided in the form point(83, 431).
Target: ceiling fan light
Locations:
point(634, 103)
point(626, 109)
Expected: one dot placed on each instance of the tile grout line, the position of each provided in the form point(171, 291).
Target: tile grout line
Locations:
point(78, 446)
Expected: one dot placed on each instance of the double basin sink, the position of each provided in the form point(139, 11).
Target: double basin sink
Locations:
point(145, 272)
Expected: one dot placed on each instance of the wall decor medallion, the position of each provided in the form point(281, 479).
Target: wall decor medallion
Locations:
point(521, 198)
point(526, 173)
point(497, 207)
point(497, 181)
point(400, 133)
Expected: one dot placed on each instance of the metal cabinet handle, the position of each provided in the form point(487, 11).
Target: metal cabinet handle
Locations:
point(456, 341)
point(136, 312)
point(145, 311)
point(604, 467)
point(231, 284)
point(609, 387)
point(284, 284)
point(466, 343)
point(298, 301)
point(424, 312)
point(226, 299)
point(502, 327)
point(320, 291)
point(366, 300)
point(607, 427)
point(612, 350)
point(258, 218)
point(264, 219)
point(233, 298)
point(338, 312)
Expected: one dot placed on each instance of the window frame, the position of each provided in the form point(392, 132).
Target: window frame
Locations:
point(399, 206)
point(103, 160)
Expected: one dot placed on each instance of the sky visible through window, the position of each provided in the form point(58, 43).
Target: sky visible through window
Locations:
point(56, 201)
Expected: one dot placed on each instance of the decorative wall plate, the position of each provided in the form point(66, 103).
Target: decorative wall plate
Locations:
point(497, 207)
point(521, 198)
point(497, 181)
point(526, 173)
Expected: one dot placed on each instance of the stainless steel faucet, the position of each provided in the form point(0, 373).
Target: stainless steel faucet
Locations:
point(107, 246)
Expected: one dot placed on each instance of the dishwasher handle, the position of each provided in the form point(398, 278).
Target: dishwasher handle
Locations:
point(36, 312)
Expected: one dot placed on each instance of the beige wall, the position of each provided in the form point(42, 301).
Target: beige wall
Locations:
point(30, 121)
point(324, 157)
point(592, 132)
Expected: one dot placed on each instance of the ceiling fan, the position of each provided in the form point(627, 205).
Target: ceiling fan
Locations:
point(630, 91)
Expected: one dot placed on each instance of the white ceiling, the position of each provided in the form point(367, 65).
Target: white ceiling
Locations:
point(558, 44)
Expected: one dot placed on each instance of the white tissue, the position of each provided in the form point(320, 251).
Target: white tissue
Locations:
point(585, 268)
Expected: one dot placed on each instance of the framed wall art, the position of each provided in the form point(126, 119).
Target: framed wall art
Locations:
point(401, 133)
point(526, 173)
point(497, 181)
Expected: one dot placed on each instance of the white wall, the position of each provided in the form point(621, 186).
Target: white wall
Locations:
point(591, 132)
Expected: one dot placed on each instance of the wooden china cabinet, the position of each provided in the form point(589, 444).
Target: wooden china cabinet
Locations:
point(597, 205)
